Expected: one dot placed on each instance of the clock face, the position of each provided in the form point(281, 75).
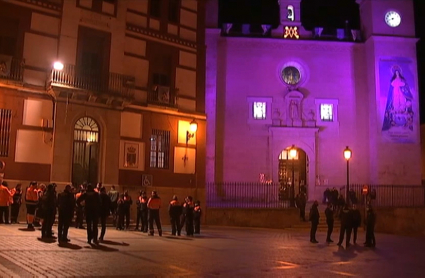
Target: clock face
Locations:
point(392, 18)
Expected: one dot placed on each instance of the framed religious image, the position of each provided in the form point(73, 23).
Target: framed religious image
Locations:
point(291, 75)
point(131, 155)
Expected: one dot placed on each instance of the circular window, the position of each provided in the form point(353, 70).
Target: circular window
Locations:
point(291, 75)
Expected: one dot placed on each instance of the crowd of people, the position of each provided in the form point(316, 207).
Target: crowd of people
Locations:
point(94, 204)
point(351, 220)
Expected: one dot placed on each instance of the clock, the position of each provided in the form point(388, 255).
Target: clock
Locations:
point(392, 18)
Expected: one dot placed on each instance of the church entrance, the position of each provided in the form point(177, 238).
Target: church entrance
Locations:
point(292, 172)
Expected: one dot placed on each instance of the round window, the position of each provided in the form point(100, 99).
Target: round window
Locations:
point(291, 75)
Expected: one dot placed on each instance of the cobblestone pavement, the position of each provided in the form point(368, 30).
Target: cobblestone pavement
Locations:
point(225, 252)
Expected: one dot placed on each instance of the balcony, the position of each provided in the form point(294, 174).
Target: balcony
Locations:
point(161, 96)
point(112, 84)
point(11, 68)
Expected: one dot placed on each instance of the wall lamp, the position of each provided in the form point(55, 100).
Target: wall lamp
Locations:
point(192, 130)
point(58, 66)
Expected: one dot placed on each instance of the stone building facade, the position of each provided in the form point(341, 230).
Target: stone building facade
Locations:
point(317, 93)
point(103, 91)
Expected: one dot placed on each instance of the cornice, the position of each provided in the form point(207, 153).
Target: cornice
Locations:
point(154, 34)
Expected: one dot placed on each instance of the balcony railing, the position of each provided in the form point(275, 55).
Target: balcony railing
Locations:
point(161, 96)
point(11, 68)
point(79, 78)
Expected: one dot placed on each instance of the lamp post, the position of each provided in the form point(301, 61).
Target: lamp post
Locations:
point(293, 155)
point(347, 156)
point(192, 131)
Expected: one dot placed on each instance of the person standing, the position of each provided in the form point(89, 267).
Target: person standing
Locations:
point(174, 211)
point(113, 196)
point(346, 226)
point(357, 220)
point(31, 200)
point(5, 200)
point(329, 221)
point(127, 207)
point(91, 208)
point(142, 212)
point(79, 208)
point(48, 211)
point(105, 209)
point(138, 211)
point(314, 218)
point(16, 204)
point(66, 204)
point(197, 214)
point(370, 228)
point(154, 204)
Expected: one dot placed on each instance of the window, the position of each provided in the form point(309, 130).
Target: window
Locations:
point(326, 112)
point(173, 11)
point(161, 79)
point(160, 149)
point(155, 8)
point(259, 110)
point(6, 120)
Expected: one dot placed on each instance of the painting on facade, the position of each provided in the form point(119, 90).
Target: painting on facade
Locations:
point(397, 101)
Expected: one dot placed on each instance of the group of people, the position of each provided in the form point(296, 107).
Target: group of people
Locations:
point(10, 202)
point(350, 222)
point(94, 204)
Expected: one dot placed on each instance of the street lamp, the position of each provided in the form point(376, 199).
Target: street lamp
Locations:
point(293, 154)
point(347, 156)
point(192, 131)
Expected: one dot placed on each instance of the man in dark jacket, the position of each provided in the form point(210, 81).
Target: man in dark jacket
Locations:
point(48, 210)
point(144, 211)
point(357, 220)
point(127, 206)
point(105, 209)
point(370, 228)
point(92, 210)
point(175, 210)
point(346, 226)
point(329, 221)
point(314, 218)
point(66, 204)
point(197, 214)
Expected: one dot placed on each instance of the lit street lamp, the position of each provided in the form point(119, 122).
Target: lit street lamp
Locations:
point(293, 154)
point(347, 156)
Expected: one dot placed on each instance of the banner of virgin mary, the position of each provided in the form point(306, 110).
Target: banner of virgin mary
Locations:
point(398, 101)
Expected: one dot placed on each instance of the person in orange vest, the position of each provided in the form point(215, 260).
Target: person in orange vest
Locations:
point(154, 204)
point(197, 213)
point(175, 210)
point(31, 200)
point(5, 200)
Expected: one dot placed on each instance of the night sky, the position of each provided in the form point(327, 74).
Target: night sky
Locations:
point(326, 13)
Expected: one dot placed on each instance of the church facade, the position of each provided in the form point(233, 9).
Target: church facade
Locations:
point(283, 108)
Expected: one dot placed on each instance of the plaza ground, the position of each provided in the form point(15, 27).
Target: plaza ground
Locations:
point(217, 252)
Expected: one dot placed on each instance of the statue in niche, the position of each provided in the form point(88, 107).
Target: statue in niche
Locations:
point(293, 110)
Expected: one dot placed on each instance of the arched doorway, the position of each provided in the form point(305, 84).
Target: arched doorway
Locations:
point(85, 151)
point(293, 171)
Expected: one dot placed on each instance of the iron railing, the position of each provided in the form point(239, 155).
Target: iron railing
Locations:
point(14, 70)
point(161, 96)
point(389, 195)
point(247, 195)
point(111, 83)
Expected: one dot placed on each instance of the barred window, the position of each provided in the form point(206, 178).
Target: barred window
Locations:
point(160, 149)
point(5, 123)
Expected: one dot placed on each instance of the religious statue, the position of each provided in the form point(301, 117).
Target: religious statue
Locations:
point(293, 110)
